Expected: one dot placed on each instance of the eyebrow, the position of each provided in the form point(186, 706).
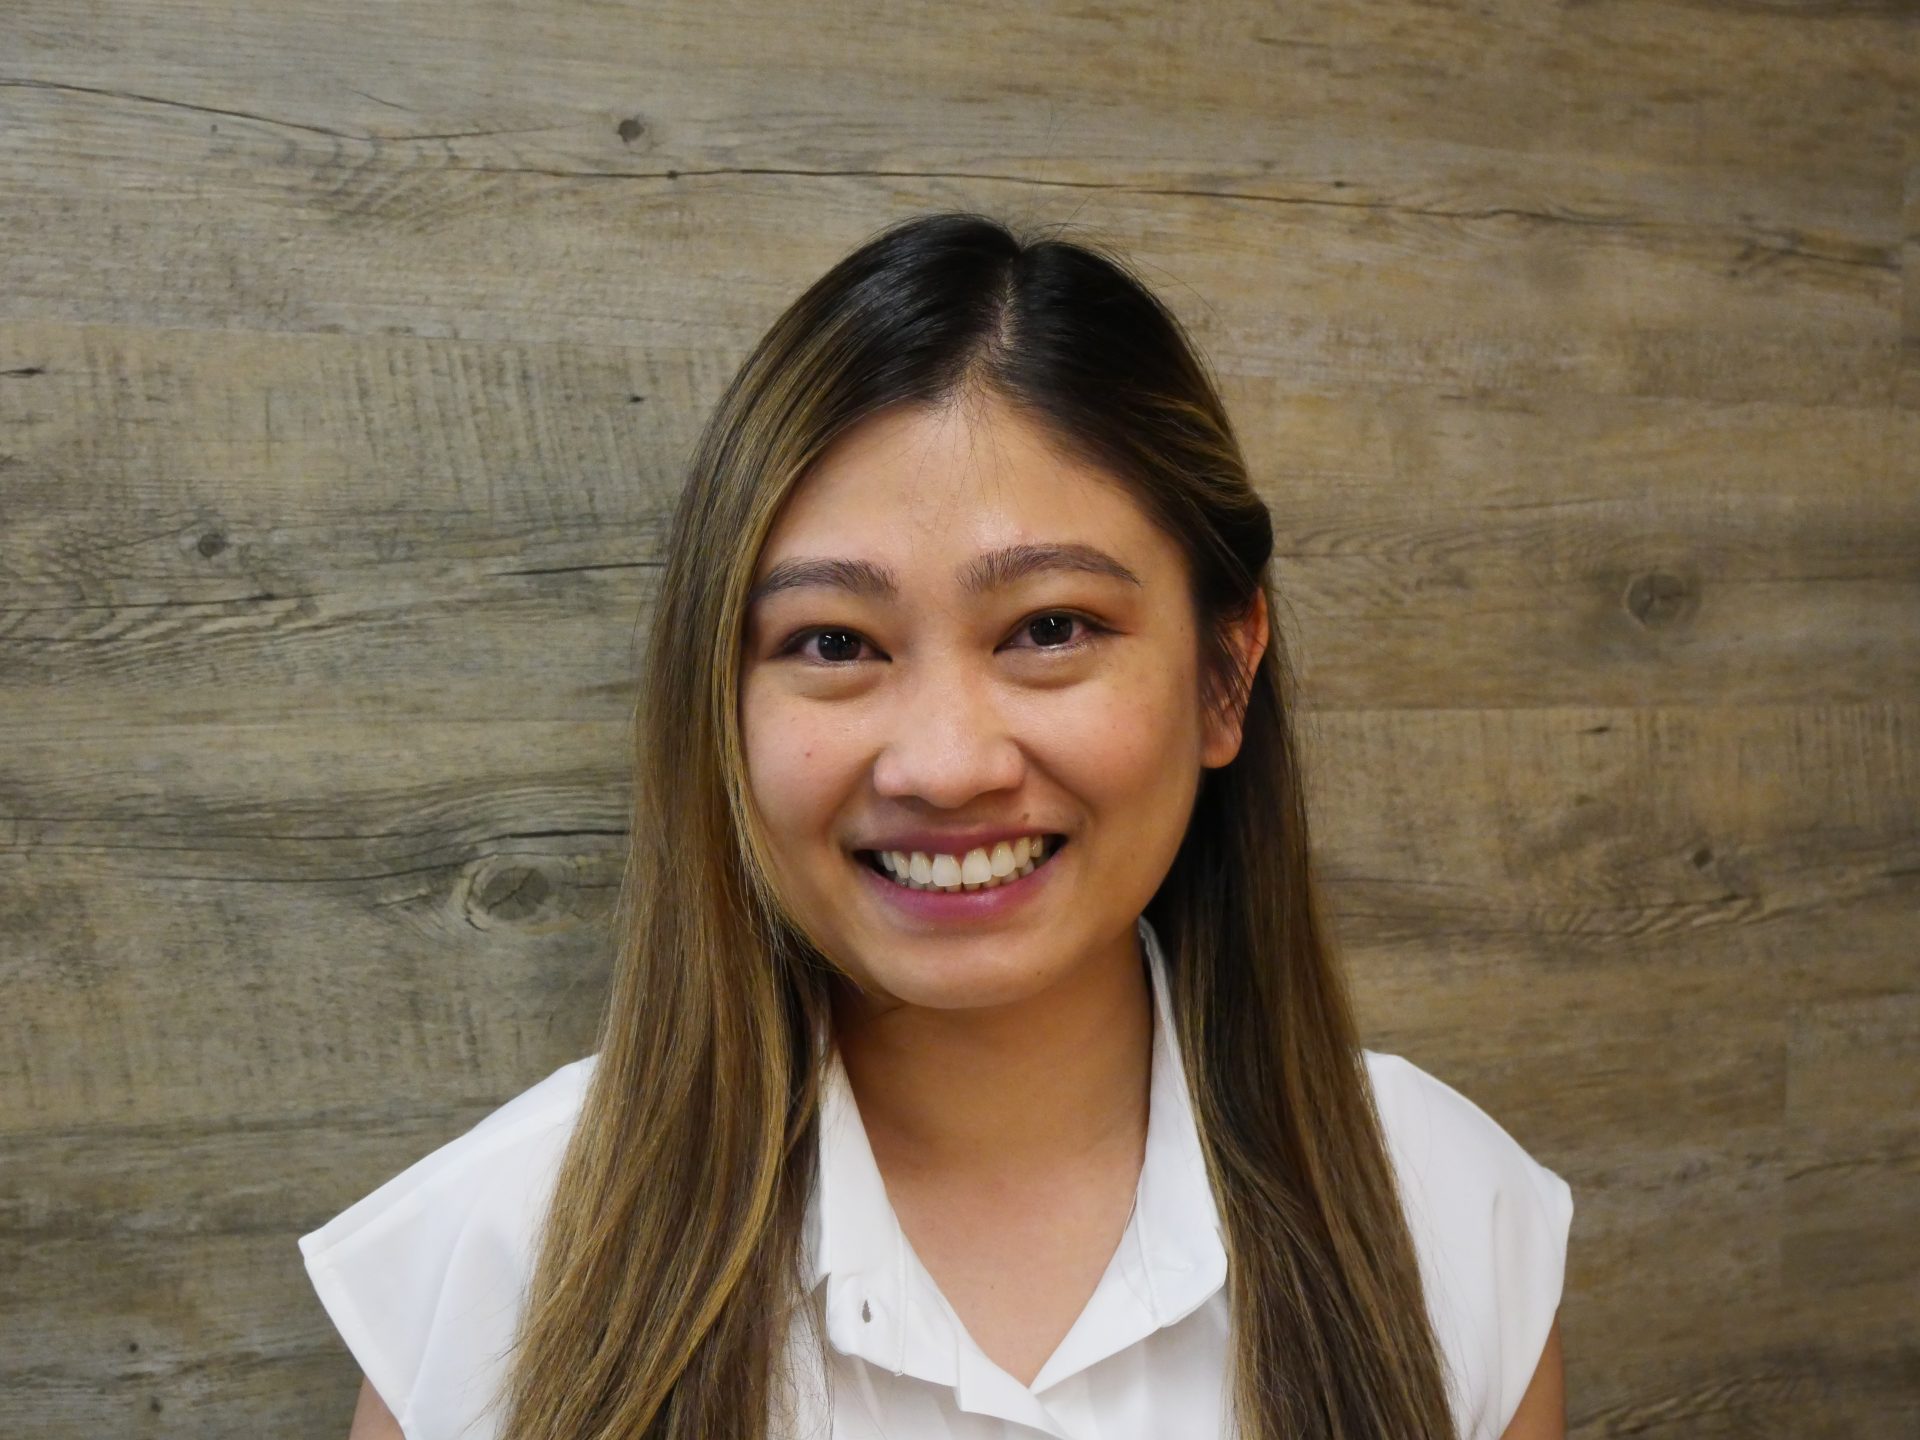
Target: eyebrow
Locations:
point(994, 570)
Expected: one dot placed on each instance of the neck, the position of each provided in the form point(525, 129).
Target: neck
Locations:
point(1007, 1091)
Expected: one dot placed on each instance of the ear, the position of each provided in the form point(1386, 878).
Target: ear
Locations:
point(1248, 641)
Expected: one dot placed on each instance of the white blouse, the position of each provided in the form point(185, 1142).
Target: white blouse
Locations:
point(423, 1277)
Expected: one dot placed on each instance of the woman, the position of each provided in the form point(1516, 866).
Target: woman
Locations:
point(976, 1062)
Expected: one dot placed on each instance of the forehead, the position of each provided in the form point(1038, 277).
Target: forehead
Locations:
point(924, 489)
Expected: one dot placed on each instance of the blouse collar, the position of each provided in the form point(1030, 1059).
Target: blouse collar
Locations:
point(883, 1306)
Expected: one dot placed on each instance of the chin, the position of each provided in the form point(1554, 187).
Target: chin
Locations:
point(973, 974)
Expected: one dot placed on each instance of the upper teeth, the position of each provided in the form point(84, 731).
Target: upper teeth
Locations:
point(979, 868)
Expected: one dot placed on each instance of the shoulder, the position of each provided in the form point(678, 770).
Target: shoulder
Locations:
point(528, 1122)
point(423, 1276)
point(1490, 1225)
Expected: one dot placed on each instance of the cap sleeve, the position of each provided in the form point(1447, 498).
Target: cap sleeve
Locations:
point(424, 1276)
point(1490, 1225)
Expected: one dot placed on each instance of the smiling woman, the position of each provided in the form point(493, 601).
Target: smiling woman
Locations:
point(1017, 657)
point(976, 1062)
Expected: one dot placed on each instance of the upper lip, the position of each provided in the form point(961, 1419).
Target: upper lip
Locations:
point(950, 842)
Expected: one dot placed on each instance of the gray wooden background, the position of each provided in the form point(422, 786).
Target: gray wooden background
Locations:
point(348, 359)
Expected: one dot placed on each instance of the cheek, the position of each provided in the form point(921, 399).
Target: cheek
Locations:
point(1131, 739)
point(796, 758)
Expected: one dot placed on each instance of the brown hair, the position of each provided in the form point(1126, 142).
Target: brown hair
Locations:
point(671, 1262)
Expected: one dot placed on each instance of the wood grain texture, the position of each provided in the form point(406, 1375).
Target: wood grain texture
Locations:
point(348, 362)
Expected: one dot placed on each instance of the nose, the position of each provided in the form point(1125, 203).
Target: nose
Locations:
point(948, 741)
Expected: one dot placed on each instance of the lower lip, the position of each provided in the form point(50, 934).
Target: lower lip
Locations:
point(960, 906)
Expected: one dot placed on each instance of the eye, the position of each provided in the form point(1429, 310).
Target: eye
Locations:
point(1054, 625)
point(836, 644)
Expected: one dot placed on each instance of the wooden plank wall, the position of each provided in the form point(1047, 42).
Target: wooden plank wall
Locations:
point(348, 357)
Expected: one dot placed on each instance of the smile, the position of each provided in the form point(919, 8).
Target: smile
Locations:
point(999, 897)
point(977, 870)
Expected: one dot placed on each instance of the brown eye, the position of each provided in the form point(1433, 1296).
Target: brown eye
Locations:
point(1052, 631)
point(1058, 627)
point(837, 646)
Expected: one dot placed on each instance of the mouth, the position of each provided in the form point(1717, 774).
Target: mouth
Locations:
point(1053, 844)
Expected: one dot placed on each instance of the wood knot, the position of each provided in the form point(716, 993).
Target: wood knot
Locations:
point(512, 892)
point(1660, 597)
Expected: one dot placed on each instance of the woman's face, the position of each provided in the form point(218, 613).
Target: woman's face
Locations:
point(974, 702)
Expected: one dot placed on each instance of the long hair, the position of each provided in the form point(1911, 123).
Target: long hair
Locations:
point(672, 1256)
